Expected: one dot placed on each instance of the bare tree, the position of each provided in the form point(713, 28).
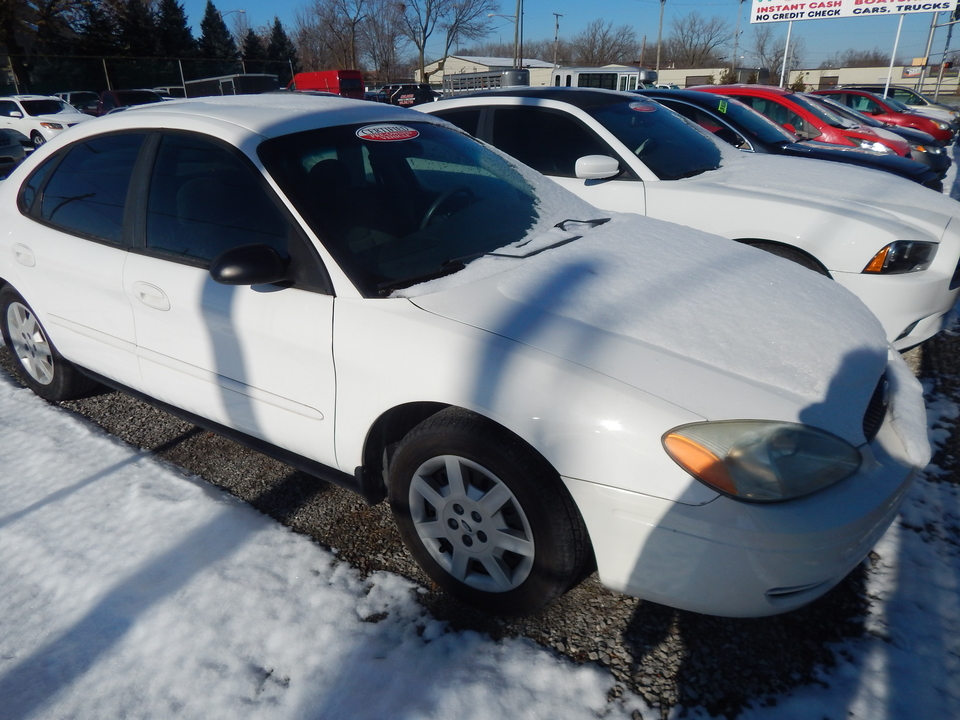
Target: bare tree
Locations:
point(456, 19)
point(603, 44)
point(859, 58)
point(769, 48)
point(382, 40)
point(696, 41)
point(330, 29)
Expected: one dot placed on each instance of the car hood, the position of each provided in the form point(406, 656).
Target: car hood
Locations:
point(881, 198)
point(683, 315)
point(901, 166)
point(68, 119)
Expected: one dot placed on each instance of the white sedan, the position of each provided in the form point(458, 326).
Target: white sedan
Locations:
point(537, 386)
point(894, 244)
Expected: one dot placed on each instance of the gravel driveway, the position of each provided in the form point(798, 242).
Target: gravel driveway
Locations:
point(669, 657)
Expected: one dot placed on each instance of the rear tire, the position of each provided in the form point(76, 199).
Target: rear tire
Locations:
point(39, 365)
point(484, 515)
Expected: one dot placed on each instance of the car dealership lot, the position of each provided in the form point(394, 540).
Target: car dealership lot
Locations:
point(658, 637)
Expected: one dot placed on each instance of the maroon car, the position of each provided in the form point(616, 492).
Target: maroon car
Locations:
point(888, 110)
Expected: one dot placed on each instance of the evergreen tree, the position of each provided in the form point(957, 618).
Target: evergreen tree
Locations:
point(216, 44)
point(96, 31)
point(138, 30)
point(174, 38)
point(253, 53)
point(281, 53)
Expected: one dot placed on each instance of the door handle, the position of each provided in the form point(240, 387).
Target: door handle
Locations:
point(151, 295)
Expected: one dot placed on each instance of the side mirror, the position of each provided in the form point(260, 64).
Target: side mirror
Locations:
point(249, 265)
point(15, 113)
point(597, 167)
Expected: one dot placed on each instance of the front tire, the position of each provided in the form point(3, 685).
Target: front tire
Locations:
point(484, 515)
point(39, 365)
point(37, 139)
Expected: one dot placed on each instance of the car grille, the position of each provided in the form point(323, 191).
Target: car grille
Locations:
point(877, 409)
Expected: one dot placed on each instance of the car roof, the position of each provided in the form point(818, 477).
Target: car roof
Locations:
point(771, 89)
point(269, 115)
point(582, 98)
point(31, 97)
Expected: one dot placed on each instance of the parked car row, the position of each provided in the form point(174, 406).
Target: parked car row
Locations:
point(539, 381)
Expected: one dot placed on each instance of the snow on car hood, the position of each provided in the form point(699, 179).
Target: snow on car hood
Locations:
point(876, 196)
point(680, 314)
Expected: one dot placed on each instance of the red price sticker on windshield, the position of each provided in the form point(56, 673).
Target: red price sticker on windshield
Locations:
point(387, 133)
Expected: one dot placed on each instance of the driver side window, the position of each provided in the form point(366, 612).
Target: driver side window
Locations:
point(548, 141)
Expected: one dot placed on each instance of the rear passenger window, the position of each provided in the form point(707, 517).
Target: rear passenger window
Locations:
point(467, 119)
point(204, 200)
point(87, 192)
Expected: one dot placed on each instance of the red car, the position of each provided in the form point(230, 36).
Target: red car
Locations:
point(888, 110)
point(808, 120)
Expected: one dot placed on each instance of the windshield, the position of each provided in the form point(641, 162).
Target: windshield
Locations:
point(137, 97)
point(851, 117)
point(818, 110)
point(666, 143)
point(45, 107)
point(744, 118)
point(897, 105)
point(398, 204)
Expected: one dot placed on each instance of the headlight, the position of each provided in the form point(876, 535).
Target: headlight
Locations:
point(932, 149)
point(902, 256)
point(51, 126)
point(873, 145)
point(761, 460)
point(941, 125)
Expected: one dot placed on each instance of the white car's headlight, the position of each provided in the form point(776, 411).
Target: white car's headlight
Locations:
point(873, 145)
point(761, 460)
point(902, 256)
point(51, 126)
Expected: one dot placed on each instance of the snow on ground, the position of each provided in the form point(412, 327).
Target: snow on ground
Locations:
point(128, 589)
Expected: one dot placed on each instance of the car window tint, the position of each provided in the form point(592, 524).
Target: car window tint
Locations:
point(88, 190)
point(546, 140)
point(203, 200)
point(7, 108)
point(709, 123)
point(467, 119)
point(669, 145)
point(30, 190)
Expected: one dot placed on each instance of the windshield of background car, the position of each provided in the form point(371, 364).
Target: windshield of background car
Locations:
point(819, 111)
point(44, 107)
point(397, 204)
point(664, 141)
point(755, 124)
point(137, 97)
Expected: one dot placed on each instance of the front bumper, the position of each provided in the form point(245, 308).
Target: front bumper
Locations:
point(731, 558)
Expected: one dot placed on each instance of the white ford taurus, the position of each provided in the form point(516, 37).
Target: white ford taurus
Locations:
point(536, 385)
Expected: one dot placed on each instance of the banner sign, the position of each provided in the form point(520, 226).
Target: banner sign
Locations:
point(781, 11)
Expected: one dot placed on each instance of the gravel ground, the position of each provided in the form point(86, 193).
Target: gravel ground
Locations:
point(669, 657)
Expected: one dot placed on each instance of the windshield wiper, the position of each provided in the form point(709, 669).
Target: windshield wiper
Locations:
point(447, 267)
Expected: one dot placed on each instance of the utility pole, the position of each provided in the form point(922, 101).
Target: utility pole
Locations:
point(556, 36)
point(736, 43)
point(660, 35)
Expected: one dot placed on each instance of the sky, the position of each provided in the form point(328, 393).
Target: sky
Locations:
point(129, 588)
point(822, 38)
